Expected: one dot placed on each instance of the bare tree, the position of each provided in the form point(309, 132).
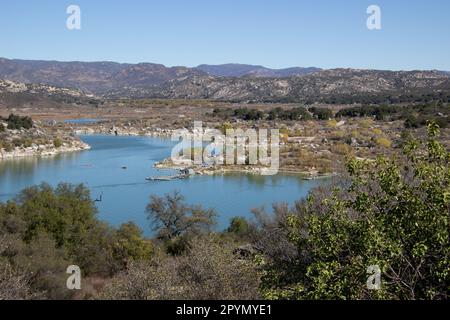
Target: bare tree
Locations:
point(171, 217)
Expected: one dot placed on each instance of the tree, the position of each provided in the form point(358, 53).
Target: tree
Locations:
point(57, 143)
point(130, 245)
point(18, 122)
point(171, 217)
point(394, 214)
point(322, 113)
point(239, 226)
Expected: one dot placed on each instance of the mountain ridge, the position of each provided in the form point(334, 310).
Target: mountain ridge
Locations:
point(149, 80)
point(247, 70)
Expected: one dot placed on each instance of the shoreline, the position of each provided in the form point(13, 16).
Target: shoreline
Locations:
point(42, 151)
point(246, 169)
point(113, 130)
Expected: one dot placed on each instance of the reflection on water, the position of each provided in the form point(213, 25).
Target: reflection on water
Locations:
point(125, 191)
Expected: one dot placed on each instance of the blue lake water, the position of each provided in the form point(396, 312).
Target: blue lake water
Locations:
point(82, 121)
point(126, 192)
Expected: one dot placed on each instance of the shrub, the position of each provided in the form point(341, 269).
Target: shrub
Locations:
point(393, 214)
point(57, 143)
point(209, 271)
point(238, 226)
point(384, 142)
point(18, 122)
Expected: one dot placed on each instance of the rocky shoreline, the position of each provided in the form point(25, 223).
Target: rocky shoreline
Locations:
point(230, 169)
point(130, 130)
point(43, 150)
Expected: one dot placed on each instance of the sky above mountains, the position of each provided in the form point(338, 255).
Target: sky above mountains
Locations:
point(277, 34)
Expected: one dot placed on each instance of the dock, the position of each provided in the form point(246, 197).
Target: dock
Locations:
point(166, 178)
point(183, 174)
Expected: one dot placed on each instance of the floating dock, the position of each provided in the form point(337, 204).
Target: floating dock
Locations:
point(166, 178)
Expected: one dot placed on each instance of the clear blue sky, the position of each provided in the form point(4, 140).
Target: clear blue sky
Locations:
point(323, 33)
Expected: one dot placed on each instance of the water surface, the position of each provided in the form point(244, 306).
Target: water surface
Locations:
point(125, 192)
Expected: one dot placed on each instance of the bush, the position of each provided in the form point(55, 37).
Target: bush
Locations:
point(209, 271)
point(14, 285)
point(57, 143)
point(45, 229)
point(17, 122)
point(384, 142)
point(321, 113)
point(130, 244)
point(171, 217)
point(393, 214)
point(239, 226)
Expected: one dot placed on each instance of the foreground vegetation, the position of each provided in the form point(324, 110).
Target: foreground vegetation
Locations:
point(392, 213)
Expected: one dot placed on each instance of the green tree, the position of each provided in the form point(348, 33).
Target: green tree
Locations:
point(394, 214)
point(130, 245)
point(238, 226)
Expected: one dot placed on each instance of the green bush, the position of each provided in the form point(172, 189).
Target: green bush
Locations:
point(17, 122)
point(57, 143)
point(394, 214)
point(238, 226)
point(45, 229)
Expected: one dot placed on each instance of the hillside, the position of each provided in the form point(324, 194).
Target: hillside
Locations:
point(348, 85)
point(232, 82)
point(16, 94)
point(95, 77)
point(245, 70)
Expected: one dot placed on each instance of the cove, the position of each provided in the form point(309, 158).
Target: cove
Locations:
point(125, 192)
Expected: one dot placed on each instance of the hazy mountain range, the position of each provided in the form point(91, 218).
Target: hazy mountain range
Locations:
point(247, 70)
point(229, 82)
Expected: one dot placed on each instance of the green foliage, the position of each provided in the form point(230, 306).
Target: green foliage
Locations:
point(394, 214)
point(238, 226)
point(321, 113)
point(57, 143)
point(45, 229)
point(415, 116)
point(297, 113)
point(18, 122)
point(130, 244)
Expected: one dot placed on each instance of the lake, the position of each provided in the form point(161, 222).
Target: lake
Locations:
point(125, 192)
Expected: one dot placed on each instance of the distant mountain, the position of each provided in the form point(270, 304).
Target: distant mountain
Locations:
point(246, 70)
point(96, 77)
point(16, 94)
point(330, 86)
point(232, 82)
